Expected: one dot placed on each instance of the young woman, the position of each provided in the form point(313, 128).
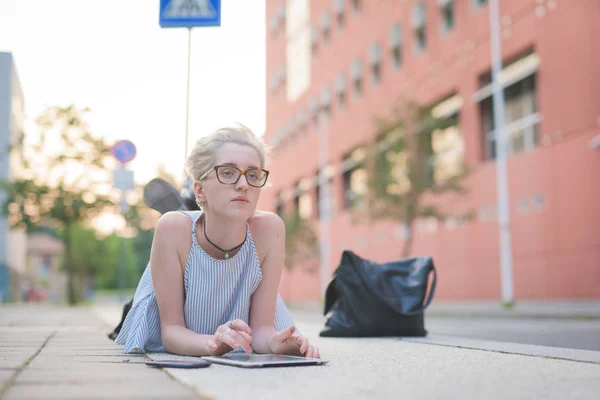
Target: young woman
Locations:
point(211, 284)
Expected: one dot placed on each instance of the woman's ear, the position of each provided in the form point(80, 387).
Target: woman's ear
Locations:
point(198, 190)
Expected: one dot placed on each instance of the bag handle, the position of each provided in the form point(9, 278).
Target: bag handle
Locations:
point(431, 293)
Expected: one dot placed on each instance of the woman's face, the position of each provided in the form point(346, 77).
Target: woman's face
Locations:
point(231, 200)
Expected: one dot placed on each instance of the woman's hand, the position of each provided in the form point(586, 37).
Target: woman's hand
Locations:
point(285, 342)
point(231, 336)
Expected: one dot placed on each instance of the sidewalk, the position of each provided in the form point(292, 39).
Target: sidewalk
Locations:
point(554, 309)
point(64, 353)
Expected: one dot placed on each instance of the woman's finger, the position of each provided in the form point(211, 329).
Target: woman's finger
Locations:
point(240, 340)
point(236, 340)
point(240, 326)
point(317, 354)
point(225, 338)
point(212, 346)
point(218, 348)
point(246, 337)
point(302, 344)
point(311, 351)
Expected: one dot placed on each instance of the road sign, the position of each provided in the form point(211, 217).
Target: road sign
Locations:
point(189, 13)
point(123, 179)
point(124, 151)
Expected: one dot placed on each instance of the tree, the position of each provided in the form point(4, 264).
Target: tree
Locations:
point(59, 180)
point(405, 170)
point(301, 242)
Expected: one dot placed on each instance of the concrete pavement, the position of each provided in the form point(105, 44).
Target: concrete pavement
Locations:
point(547, 309)
point(87, 365)
point(62, 353)
point(528, 309)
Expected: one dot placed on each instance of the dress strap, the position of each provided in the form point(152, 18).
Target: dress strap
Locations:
point(194, 216)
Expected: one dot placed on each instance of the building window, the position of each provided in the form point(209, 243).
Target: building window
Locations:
point(375, 61)
point(356, 6)
point(314, 112)
point(447, 15)
point(274, 84)
point(391, 163)
point(302, 199)
point(447, 145)
point(278, 19)
point(354, 178)
point(314, 42)
point(396, 46)
point(340, 88)
point(521, 117)
point(298, 48)
point(282, 75)
point(326, 102)
point(419, 26)
point(339, 13)
point(318, 193)
point(326, 27)
point(357, 77)
point(278, 79)
point(302, 121)
point(479, 3)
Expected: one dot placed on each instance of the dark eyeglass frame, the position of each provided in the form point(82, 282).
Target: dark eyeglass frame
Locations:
point(242, 173)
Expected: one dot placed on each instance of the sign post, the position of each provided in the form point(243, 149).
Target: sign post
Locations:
point(189, 14)
point(124, 151)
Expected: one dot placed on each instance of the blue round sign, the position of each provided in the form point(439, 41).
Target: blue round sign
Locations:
point(124, 151)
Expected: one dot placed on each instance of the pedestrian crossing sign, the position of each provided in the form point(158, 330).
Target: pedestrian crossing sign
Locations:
point(189, 13)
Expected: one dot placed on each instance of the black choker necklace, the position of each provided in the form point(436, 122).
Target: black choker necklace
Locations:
point(226, 252)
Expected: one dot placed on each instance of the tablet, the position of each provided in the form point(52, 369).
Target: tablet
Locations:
point(177, 364)
point(263, 360)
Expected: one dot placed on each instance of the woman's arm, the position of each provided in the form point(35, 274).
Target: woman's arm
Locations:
point(269, 234)
point(170, 247)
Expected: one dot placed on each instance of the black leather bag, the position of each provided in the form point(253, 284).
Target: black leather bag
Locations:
point(369, 299)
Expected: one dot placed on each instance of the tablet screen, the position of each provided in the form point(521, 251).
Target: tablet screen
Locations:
point(262, 357)
point(263, 360)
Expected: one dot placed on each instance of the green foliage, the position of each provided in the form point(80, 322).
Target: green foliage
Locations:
point(99, 258)
point(401, 168)
point(57, 181)
point(301, 243)
point(108, 278)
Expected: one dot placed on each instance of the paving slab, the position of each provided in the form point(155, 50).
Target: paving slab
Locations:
point(73, 359)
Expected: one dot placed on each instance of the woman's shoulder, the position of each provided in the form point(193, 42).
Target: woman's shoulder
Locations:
point(174, 220)
point(173, 225)
point(268, 231)
point(265, 222)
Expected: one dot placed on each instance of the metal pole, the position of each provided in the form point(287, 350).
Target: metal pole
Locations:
point(500, 146)
point(324, 206)
point(187, 96)
point(122, 250)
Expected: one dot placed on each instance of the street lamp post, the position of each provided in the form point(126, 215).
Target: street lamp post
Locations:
point(324, 205)
point(500, 146)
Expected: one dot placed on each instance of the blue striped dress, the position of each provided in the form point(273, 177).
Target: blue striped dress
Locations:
point(216, 291)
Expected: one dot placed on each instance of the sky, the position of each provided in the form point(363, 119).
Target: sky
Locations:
point(113, 57)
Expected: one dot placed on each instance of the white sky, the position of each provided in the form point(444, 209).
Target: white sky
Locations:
point(113, 57)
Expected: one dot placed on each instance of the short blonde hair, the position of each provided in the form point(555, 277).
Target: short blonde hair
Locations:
point(203, 156)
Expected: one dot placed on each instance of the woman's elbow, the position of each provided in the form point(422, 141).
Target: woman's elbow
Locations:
point(167, 338)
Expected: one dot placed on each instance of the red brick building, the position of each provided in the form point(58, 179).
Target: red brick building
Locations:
point(349, 61)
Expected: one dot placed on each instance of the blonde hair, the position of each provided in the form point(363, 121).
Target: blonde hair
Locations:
point(203, 156)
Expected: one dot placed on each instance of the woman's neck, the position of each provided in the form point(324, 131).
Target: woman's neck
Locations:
point(215, 231)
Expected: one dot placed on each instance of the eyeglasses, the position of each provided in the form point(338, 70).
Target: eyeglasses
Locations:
point(230, 175)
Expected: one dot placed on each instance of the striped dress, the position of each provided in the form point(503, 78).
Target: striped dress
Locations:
point(216, 291)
